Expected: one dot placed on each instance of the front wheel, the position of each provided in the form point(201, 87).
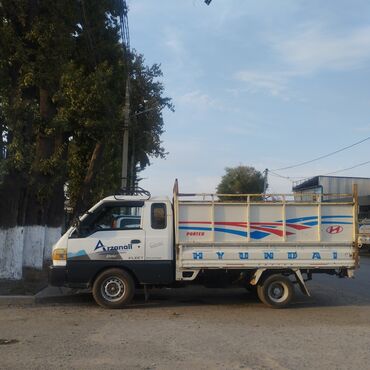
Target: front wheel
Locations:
point(113, 288)
point(276, 291)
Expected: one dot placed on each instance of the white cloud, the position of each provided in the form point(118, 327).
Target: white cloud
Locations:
point(245, 130)
point(273, 83)
point(200, 184)
point(199, 100)
point(313, 49)
point(365, 129)
point(174, 43)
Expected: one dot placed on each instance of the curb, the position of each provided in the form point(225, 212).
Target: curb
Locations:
point(46, 295)
point(6, 300)
point(55, 294)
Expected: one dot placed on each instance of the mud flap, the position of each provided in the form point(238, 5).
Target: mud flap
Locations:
point(301, 282)
point(256, 276)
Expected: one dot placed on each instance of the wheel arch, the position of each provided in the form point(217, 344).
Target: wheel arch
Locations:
point(260, 275)
point(105, 268)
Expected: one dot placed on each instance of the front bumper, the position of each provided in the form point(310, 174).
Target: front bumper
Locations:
point(58, 275)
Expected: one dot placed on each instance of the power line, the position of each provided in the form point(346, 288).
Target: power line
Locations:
point(323, 156)
point(277, 175)
point(348, 168)
point(290, 178)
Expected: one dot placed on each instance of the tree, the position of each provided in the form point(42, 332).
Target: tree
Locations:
point(35, 45)
point(147, 105)
point(241, 180)
point(95, 154)
point(62, 90)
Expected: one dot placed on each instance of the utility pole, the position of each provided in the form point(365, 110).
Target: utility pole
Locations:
point(126, 127)
point(265, 178)
point(125, 39)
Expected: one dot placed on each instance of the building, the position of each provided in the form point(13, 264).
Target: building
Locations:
point(337, 185)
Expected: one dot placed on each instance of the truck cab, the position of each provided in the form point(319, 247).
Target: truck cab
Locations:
point(129, 234)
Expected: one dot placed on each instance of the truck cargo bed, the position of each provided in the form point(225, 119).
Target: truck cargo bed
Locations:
point(250, 231)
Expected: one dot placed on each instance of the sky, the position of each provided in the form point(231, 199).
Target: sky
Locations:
point(264, 83)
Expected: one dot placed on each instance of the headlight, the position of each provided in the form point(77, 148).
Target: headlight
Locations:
point(59, 254)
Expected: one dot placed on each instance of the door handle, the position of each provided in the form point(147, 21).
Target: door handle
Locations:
point(135, 241)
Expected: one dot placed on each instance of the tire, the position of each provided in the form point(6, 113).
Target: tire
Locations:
point(113, 288)
point(276, 291)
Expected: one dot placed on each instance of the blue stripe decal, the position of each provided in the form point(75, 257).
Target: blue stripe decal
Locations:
point(337, 223)
point(314, 223)
point(230, 231)
point(336, 216)
point(258, 234)
point(80, 253)
point(195, 228)
point(300, 219)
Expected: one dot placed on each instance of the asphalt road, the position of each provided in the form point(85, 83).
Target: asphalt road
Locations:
point(196, 329)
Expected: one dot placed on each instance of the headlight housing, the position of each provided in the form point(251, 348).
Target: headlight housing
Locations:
point(59, 254)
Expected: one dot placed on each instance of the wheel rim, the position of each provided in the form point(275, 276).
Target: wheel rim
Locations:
point(113, 289)
point(278, 291)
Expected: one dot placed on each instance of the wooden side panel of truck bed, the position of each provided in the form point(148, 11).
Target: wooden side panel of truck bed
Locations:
point(283, 232)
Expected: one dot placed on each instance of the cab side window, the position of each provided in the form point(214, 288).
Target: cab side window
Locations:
point(110, 218)
point(118, 218)
point(158, 216)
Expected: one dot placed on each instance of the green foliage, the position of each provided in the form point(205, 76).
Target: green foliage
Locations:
point(35, 45)
point(241, 180)
point(147, 105)
point(62, 91)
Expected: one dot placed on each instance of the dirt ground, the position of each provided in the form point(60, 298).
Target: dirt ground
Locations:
point(33, 281)
point(195, 329)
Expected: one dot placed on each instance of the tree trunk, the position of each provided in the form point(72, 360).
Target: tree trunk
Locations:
point(45, 194)
point(84, 200)
point(11, 234)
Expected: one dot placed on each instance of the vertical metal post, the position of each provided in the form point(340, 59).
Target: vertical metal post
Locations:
point(355, 223)
point(125, 39)
point(213, 219)
point(248, 218)
point(284, 218)
point(132, 166)
point(126, 124)
point(319, 213)
point(176, 211)
point(265, 178)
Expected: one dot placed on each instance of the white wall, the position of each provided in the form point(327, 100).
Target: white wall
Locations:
point(25, 246)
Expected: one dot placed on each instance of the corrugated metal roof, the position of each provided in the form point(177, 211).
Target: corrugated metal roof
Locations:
point(335, 184)
point(307, 184)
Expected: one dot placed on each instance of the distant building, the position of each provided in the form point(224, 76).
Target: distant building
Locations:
point(337, 185)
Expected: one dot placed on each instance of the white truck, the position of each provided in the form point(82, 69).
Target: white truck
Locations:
point(364, 234)
point(264, 243)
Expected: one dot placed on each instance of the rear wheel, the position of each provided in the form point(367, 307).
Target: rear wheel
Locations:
point(276, 291)
point(113, 288)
